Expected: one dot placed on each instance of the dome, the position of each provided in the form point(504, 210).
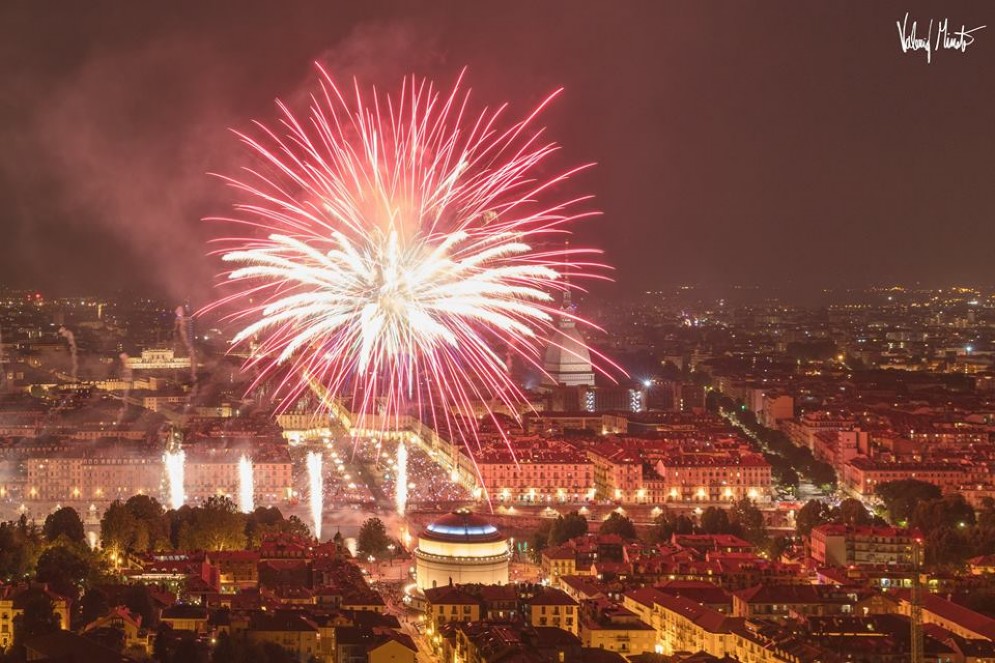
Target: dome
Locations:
point(461, 548)
point(568, 360)
point(461, 527)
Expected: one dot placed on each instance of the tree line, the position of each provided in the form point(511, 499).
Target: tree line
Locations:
point(788, 461)
point(743, 519)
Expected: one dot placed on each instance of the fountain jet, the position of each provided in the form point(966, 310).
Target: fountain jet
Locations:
point(401, 482)
point(246, 487)
point(174, 461)
point(317, 490)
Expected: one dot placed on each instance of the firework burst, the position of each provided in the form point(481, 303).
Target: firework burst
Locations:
point(393, 247)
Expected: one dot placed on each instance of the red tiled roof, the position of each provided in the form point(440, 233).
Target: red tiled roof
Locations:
point(449, 595)
point(552, 597)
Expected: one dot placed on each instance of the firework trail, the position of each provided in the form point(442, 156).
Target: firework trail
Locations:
point(401, 478)
point(71, 340)
point(246, 486)
point(316, 492)
point(389, 253)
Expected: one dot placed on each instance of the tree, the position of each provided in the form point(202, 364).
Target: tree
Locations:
point(118, 528)
point(215, 526)
point(986, 515)
point(372, 539)
point(138, 599)
point(714, 521)
point(948, 511)
point(261, 522)
point(20, 545)
point(37, 618)
point(901, 497)
point(137, 525)
point(150, 516)
point(177, 520)
point(811, 515)
point(94, 605)
point(853, 513)
point(749, 520)
point(788, 478)
point(265, 521)
point(64, 569)
point(166, 643)
point(64, 522)
point(946, 525)
point(777, 546)
point(616, 523)
point(666, 524)
point(187, 650)
point(821, 474)
point(567, 527)
point(539, 541)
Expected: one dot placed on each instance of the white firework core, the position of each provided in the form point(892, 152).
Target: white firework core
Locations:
point(246, 485)
point(392, 255)
point(174, 462)
point(316, 483)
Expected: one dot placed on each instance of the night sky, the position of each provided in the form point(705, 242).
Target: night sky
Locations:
point(763, 143)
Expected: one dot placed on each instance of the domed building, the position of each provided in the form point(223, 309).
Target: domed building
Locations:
point(461, 548)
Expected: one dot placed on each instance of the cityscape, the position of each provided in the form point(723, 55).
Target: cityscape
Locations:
point(395, 377)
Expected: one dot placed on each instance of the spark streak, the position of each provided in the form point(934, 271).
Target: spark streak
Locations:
point(174, 462)
point(395, 247)
point(401, 478)
point(246, 486)
point(316, 496)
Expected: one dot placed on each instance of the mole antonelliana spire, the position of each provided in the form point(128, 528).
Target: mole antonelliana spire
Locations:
point(567, 360)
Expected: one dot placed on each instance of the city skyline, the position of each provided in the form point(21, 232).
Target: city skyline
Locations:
point(432, 331)
point(729, 151)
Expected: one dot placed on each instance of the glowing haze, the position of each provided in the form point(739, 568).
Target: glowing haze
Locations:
point(394, 248)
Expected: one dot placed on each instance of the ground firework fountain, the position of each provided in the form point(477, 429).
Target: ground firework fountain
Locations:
point(174, 460)
point(401, 484)
point(246, 486)
point(317, 490)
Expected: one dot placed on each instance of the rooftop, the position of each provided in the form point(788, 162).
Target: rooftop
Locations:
point(461, 527)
